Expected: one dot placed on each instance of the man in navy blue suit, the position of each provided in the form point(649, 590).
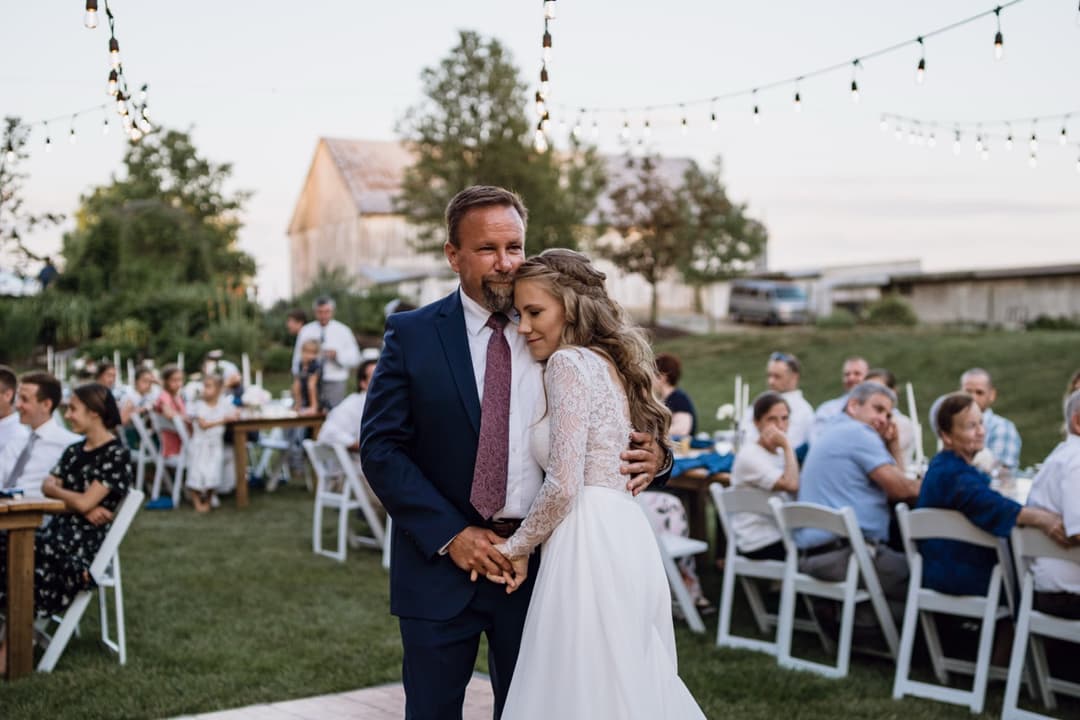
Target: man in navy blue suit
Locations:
point(419, 446)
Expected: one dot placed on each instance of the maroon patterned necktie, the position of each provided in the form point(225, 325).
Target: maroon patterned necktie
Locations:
point(488, 493)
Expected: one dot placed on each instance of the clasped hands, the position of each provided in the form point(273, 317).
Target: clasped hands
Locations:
point(480, 552)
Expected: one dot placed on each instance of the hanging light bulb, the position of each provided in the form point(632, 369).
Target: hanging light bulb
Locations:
point(625, 132)
point(854, 83)
point(956, 143)
point(9, 152)
point(1063, 136)
point(136, 134)
point(145, 112)
point(646, 129)
point(595, 129)
point(757, 112)
point(142, 92)
point(920, 71)
point(999, 39)
point(90, 19)
point(911, 137)
point(1009, 138)
point(683, 127)
point(978, 143)
point(105, 126)
point(1033, 161)
point(113, 79)
point(48, 140)
point(127, 123)
point(547, 44)
point(540, 142)
point(1033, 143)
point(539, 103)
point(121, 103)
point(798, 97)
point(544, 84)
point(114, 52)
point(549, 9)
point(713, 124)
point(931, 141)
point(545, 122)
point(899, 132)
point(576, 131)
point(71, 135)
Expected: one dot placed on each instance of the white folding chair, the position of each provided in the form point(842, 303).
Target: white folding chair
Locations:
point(1031, 625)
point(274, 442)
point(338, 485)
point(673, 547)
point(105, 570)
point(176, 465)
point(147, 452)
point(931, 523)
point(728, 502)
point(842, 523)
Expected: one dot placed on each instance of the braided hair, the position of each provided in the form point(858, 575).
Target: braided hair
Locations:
point(595, 321)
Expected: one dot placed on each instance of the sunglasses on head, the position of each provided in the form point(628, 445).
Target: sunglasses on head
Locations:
point(780, 357)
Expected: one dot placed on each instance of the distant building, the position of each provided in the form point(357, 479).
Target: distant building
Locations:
point(345, 218)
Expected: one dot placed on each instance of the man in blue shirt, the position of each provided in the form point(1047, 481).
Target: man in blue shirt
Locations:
point(857, 463)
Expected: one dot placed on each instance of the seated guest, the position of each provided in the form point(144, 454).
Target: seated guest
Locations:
point(170, 403)
point(1002, 437)
point(1056, 488)
point(105, 374)
point(91, 477)
point(142, 396)
point(952, 482)
point(216, 364)
point(1073, 386)
point(768, 464)
point(854, 372)
point(782, 376)
point(857, 463)
point(12, 431)
point(904, 426)
point(25, 464)
point(342, 424)
point(683, 415)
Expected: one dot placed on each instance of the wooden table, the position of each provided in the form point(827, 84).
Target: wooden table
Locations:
point(249, 423)
point(693, 487)
point(20, 518)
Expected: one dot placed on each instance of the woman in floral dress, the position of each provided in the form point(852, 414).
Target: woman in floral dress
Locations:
point(92, 477)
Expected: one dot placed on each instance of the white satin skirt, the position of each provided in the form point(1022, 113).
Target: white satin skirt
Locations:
point(599, 641)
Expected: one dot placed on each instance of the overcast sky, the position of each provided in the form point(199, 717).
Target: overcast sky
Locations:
point(260, 82)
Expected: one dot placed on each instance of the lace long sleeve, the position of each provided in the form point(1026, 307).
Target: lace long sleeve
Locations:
point(568, 392)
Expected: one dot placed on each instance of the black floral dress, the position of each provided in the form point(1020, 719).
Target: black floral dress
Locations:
point(65, 548)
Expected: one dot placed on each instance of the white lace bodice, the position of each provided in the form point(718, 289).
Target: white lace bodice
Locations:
point(578, 441)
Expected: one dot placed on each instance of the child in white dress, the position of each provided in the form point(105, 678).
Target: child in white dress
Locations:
point(208, 418)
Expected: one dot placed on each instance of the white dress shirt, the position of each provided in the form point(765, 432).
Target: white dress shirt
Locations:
point(800, 421)
point(12, 432)
point(523, 476)
point(51, 441)
point(334, 336)
point(1057, 488)
point(342, 424)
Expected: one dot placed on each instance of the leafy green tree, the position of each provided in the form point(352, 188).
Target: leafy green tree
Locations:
point(471, 128)
point(693, 229)
point(15, 222)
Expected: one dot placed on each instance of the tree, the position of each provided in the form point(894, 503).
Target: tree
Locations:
point(720, 239)
point(471, 128)
point(15, 222)
point(692, 229)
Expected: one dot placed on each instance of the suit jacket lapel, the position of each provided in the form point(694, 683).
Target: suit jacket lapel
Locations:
point(452, 335)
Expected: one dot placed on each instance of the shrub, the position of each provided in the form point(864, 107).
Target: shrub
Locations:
point(1045, 322)
point(20, 325)
point(838, 318)
point(891, 310)
point(277, 358)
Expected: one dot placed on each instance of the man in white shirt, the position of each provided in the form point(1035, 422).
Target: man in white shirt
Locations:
point(782, 376)
point(12, 431)
point(342, 424)
point(1057, 488)
point(25, 465)
point(854, 372)
point(338, 350)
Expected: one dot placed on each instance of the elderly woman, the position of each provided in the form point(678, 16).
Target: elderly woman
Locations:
point(952, 482)
point(770, 465)
point(92, 477)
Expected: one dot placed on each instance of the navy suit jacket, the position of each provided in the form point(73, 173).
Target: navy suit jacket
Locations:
point(418, 446)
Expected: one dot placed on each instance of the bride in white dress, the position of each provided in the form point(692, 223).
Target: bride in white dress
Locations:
point(598, 640)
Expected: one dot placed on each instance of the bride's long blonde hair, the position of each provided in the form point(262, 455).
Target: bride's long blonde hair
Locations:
point(595, 321)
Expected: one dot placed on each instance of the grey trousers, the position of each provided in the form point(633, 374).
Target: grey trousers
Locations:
point(333, 392)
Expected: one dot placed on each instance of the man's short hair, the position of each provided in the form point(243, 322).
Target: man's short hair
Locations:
point(48, 387)
point(479, 196)
point(298, 315)
point(1072, 407)
point(977, 372)
point(8, 379)
point(669, 366)
point(866, 390)
point(788, 359)
point(362, 369)
point(856, 358)
point(887, 377)
point(324, 300)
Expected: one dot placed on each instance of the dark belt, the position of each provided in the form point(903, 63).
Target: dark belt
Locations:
point(838, 544)
point(503, 527)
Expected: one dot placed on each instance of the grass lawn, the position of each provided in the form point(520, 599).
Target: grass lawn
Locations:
point(1030, 369)
point(233, 609)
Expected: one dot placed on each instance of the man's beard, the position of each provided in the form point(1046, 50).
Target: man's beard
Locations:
point(498, 298)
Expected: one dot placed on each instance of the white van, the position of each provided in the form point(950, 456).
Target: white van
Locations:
point(768, 301)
